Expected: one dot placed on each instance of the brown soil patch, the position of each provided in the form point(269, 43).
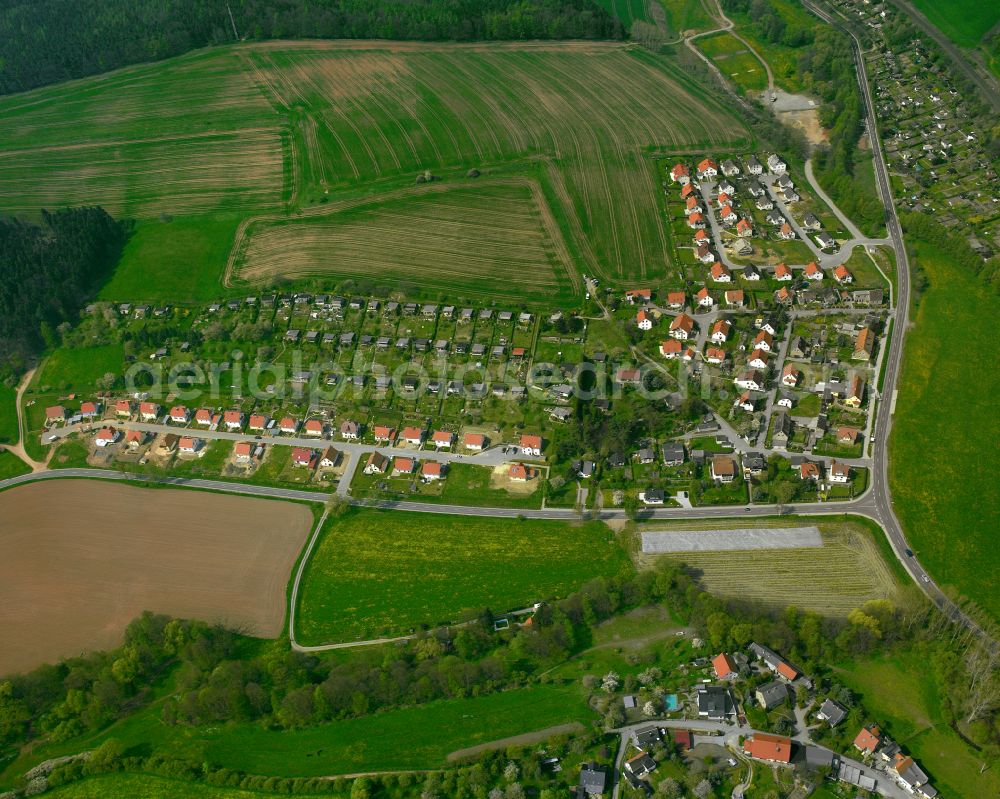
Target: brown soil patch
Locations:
point(808, 122)
point(82, 558)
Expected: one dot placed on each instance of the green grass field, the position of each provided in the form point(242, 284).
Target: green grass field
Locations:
point(148, 786)
point(69, 369)
point(899, 691)
point(734, 60)
point(853, 566)
point(8, 414)
point(186, 255)
point(944, 493)
point(628, 11)
point(417, 737)
point(963, 21)
point(11, 465)
point(275, 130)
point(382, 572)
point(687, 15)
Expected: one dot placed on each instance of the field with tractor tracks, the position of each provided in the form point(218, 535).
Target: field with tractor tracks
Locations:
point(303, 131)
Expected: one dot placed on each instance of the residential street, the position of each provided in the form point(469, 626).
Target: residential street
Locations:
point(728, 735)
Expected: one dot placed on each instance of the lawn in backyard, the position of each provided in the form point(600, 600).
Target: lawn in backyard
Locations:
point(945, 432)
point(375, 573)
point(899, 692)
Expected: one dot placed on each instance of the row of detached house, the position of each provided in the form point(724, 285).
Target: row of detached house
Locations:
point(873, 744)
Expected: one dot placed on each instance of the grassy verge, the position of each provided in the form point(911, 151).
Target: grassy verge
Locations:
point(943, 423)
point(382, 572)
point(11, 465)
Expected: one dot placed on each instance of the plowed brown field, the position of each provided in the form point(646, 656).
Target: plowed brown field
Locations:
point(82, 558)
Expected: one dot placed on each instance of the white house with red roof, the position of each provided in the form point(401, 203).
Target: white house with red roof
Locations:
point(432, 470)
point(721, 330)
point(289, 425)
point(704, 298)
point(180, 415)
point(790, 376)
point(679, 173)
point(735, 298)
point(676, 299)
point(764, 341)
point(233, 419)
point(413, 435)
point(442, 438)
point(258, 421)
point(757, 359)
point(727, 214)
point(383, 434)
point(203, 416)
point(782, 273)
point(106, 436)
point(644, 320)
point(313, 427)
point(715, 355)
point(682, 327)
point(707, 169)
point(671, 348)
point(842, 275)
point(720, 274)
point(304, 456)
point(531, 445)
point(90, 409)
point(123, 407)
point(813, 272)
point(696, 221)
point(189, 444)
point(474, 441)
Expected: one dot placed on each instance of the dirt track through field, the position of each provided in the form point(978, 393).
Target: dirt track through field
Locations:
point(83, 558)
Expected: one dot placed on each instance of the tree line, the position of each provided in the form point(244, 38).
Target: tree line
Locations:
point(50, 41)
point(47, 270)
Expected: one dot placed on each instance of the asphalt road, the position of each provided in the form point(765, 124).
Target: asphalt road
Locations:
point(879, 498)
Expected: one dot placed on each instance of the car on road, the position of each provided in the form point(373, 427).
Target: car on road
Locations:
point(925, 578)
point(747, 509)
point(909, 553)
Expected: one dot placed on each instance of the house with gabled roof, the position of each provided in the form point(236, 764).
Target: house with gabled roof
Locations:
point(790, 376)
point(442, 438)
point(679, 173)
point(531, 445)
point(782, 273)
point(813, 272)
point(55, 413)
point(715, 355)
point(189, 444)
point(644, 320)
point(770, 748)
point(519, 473)
point(725, 667)
point(433, 470)
point(786, 232)
point(723, 468)
point(696, 221)
point(734, 298)
point(867, 740)
point(106, 436)
point(758, 359)
point(856, 392)
point(676, 299)
point(413, 435)
point(313, 427)
point(377, 463)
point(750, 379)
point(744, 227)
point(727, 214)
point(810, 471)
point(682, 327)
point(704, 298)
point(831, 712)
point(842, 275)
point(707, 169)
point(720, 274)
point(233, 419)
point(148, 411)
point(474, 441)
point(671, 348)
point(864, 345)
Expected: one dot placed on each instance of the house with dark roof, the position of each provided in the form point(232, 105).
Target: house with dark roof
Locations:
point(771, 695)
point(593, 780)
point(714, 703)
point(831, 712)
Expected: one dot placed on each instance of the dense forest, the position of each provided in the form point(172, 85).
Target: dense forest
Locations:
point(48, 41)
point(46, 272)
